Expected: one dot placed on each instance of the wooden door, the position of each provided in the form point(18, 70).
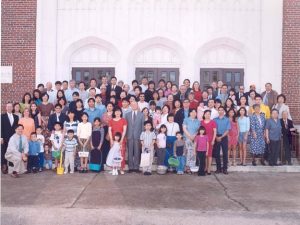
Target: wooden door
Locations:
point(155, 74)
point(85, 74)
point(233, 77)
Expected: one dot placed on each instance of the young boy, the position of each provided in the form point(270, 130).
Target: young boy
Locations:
point(70, 144)
point(33, 154)
point(41, 140)
point(180, 152)
point(48, 156)
point(56, 139)
point(148, 139)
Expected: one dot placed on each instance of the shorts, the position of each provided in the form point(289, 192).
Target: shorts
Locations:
point(243, 138)
point(56, 154)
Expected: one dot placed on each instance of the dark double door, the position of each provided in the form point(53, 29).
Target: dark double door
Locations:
point(232, 77)
point(85, 74)
point(155, 74)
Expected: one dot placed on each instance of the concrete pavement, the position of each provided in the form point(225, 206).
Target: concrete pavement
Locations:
point(239, 198)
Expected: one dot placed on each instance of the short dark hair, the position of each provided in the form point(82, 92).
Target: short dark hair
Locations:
point(206, 111)
point(202, 128)
point(281, 96)
point(242, 108)
point(75, 93)
point(147, 122)
point(40, 85)
point(58, 105)
point(91, 99)
point(57, 82)
point(33, 133)
point(117, 108)
point(57, 123)
point(221, 107)
point(19, 125)
point(170, 115)
point(258, 96)
point(65, 81)
point(134, 81)
point(70, 131)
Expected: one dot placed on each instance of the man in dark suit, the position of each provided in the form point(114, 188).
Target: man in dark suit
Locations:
point(114, 87)
point(9, 122)
point(135, 125)
point(239, 94)
point(287, 128)
point(57, 116)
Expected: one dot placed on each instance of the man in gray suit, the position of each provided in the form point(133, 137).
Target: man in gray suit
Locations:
point(135, 125)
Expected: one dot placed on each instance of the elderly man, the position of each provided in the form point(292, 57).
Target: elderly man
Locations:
point(269, 96)
point(50, 92)
point(69, 92)
point(135, 120)
point(9, 122)
point(17, 151)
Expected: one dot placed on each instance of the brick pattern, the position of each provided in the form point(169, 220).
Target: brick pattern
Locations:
point(18, 47)
point(291, 56)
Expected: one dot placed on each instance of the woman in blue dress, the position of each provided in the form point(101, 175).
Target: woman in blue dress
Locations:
point(190, 128)
point(257, 139)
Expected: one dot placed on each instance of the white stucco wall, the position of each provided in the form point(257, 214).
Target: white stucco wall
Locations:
point(189, 34)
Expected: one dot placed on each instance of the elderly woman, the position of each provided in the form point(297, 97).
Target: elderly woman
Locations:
point(190, 128)
point(281, 106)
point(17, 150)
point(273, 137)
point(257, 141)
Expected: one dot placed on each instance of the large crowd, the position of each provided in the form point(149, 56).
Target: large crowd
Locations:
point(182, 127)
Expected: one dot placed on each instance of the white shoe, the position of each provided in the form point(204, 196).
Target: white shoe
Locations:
point(65, 172)
point(71, 172)
point(113, 172)
point(116, 173)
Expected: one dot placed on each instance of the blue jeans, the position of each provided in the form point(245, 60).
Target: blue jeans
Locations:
point(49, 162)
point(169, 150)
point(41, 160)
point(181, 159)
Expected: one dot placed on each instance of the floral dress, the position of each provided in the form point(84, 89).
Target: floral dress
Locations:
point(233, 134)
point(257, 125)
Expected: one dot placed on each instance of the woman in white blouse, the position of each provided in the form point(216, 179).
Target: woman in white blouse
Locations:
point(281, 106)
point(172, 129)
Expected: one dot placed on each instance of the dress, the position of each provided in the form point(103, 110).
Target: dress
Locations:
point(233, 134)
point(209, 127)
point(117, 126)
point(114, 152)
point(257, 125)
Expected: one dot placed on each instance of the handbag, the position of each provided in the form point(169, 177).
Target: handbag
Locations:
point(145, 159)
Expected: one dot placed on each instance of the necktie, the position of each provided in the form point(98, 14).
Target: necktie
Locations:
point(20, 144)
point(57, 118)
point(134, 116)
point(11, 119)
point(265, 100)
point(286, 124)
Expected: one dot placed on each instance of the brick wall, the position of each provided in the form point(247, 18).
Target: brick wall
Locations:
point(291, 56)
point(18, 47)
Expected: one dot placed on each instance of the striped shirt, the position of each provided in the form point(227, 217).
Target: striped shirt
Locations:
point(70, 145)
point(71, 126)
point(147, 138)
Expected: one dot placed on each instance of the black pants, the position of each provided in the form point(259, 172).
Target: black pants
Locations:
point(201, 157)
point(274, 152)
point(3, 151)
point(161, 154)
point(217, 149)
point(33, 162)
point(287, 149)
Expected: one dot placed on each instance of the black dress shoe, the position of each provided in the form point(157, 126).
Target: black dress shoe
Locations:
point(218, 171)
point(225, 172)
point(253, 163)
point(262, 161)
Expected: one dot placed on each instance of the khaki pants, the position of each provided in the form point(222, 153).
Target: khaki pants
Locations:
point(149, 168)
point(16, 159)
point(69, 161)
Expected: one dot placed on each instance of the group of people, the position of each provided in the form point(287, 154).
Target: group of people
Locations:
point(114, 122)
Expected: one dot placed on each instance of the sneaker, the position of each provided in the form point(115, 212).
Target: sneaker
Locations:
point(40, 170)
point(65, 172)
point(72, 172)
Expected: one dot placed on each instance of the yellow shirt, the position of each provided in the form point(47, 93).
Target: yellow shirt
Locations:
point(263, 109)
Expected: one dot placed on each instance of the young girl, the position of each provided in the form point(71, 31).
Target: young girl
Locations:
point(115, 153)
point(56, 141)
point(84, 132)
point(161, 141)
point(244, 127)
point(232, 135)
point(157, 116)
point(96, 142)
point(48, 156)
point(180, 152)
point(201, 149)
